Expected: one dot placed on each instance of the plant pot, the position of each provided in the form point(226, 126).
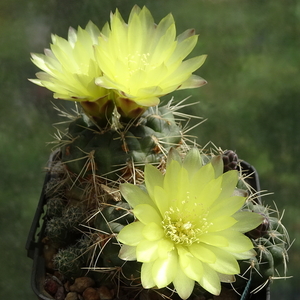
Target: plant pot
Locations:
point(35, 246)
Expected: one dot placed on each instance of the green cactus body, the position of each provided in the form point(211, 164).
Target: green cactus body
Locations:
point(83, 201)
point(139, 142)
point(270, 242)
point(86, 211)
point(55, 207)
point(69, 262)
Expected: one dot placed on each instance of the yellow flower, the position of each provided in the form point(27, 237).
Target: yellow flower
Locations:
point(143, 61)
point(189, 226)
point(70, 69)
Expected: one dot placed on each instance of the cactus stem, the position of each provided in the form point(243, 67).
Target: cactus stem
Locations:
point(280, 225)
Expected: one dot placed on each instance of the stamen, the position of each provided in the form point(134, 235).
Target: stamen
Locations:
point(137, 61)
point(182, 227)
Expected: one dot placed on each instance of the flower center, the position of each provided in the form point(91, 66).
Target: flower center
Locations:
point(137, 61)
point(181, 227)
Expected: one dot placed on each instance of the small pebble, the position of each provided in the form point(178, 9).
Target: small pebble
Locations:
point(81, 283)
point(67, 286)
point(90, 294)
point(59, 276)
point(51, 286)
point(60, 294)
point(72, 296)
point(105, 293)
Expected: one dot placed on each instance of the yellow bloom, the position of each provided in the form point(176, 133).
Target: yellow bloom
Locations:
point(189, 226)
point(70, 68)
point(143, 61)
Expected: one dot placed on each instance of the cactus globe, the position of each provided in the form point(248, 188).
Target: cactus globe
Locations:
point(189, 226)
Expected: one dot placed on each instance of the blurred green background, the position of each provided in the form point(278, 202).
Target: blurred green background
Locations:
point(252, 103)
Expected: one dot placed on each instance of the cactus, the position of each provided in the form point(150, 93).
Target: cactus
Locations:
point(55, 207)
point(116, 135)
point(92, 212)
point(86, 211)
point(271, 243)
point(69, 262)
point(113, 152)
point(83, 195)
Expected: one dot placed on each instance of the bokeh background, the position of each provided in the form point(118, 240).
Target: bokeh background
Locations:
point(252, 103)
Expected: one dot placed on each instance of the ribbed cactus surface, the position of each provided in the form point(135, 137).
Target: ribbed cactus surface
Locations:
point(109, 152)
point(85, 210)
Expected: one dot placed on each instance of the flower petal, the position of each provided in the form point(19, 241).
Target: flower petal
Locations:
point(221, 223)
point(190, 265)
point(226, 278)
point(201, 178)
point(183, 284)
point(237, 242)
point(184, 47)
point(153, 232)
point(214, 239)
point(244, 255)
point(217, 163)
point(146, 251)
point(161, 199)
point(229, 183)
point(131, 234)
point(150, 101)
point(247, 221)
point(146, 275)
point(164, 270)
point(226, 207)
point(210, 280)
point(147, 214)
point(225, 262)
point(171, 180)
point(164, 247)
point(127, 252)
point(210, 192)
point(194, 268)
point(192, 82)
point(184, 71)
point(192, 162)
point(135, 195)
point(202, 252)
point(153, 178)
point(176, 183)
